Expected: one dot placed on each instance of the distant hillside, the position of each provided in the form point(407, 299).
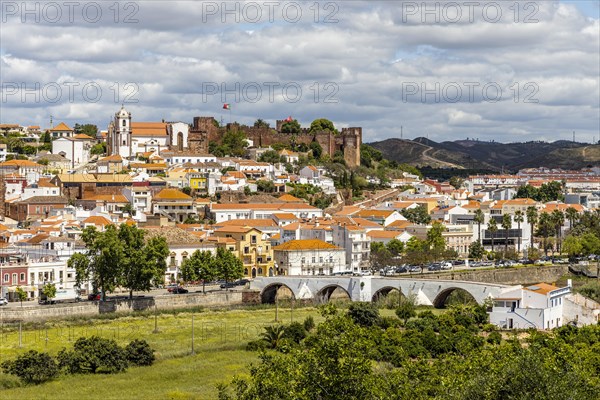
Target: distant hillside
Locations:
point(489, 155)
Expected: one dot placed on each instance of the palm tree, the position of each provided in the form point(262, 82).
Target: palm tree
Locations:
point(492, 229)
point(545, 226)
point(532, 217)
point(273, 335)
point(506, 224)
point(518, 218)
point(479, 219)
point(558, 217)
point(572, 215)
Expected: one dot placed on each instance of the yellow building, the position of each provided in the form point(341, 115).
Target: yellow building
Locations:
point(197, 181)
point(250, 245)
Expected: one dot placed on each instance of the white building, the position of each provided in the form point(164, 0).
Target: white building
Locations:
point(182, 157)
point(309, 257)
point(356, 243)
point(226, 212)
point(3, 152)
point(76, 148)
point(538, 306)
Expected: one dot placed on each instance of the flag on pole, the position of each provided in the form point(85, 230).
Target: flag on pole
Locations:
point(289, 119)
point(226, 106)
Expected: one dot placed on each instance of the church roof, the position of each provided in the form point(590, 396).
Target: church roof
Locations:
point(149, 129)
point(61, 128)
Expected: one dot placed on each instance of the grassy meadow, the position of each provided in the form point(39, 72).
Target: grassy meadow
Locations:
point(220, 338)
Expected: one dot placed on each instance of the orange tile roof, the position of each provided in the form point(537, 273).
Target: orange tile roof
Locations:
point(249, 223)
point(348, 210)
point(286, 216)
point(306, 244)
point(83, 136)
point(20, 163)
point(235, 174)
point(290, 199)
point(97, 220)
point(384, 234)
point(542, 288)
point(521, 202)
point(113, 158)
point(171, 194)
point(375, 213)
point(149, 129)
point(399, 225)
point(549, 207)
point(109, 198)
point(61, 127)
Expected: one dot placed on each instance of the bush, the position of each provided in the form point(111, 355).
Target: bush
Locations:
point(93, 355)
point(32, 367)
point(257, 345)
point(365, 314)
point(139, 352)
point(295, 332)
point(309, 323)
point(494, 338)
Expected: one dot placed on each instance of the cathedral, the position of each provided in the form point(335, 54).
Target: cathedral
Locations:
point(130, 139)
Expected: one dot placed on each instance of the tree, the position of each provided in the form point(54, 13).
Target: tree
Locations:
point(93, 355)
point(21, 294)
point(417, 215)
point(260, 123)
point(407, 308)
point(476, 250)
point(572, 245)
point(456, 182)
point(572, 215)
point(435, 240)
point(273, 336)
point(532, 217)
point(519, 219)
point(98, 149)
point(270, 156)
point(228, 266)
point(545, 227)
point(291, 127)
point(364, 314)
point(87, 129)
point(138, 352)
point(200, 266)
point(506, 224)
point(558, 218)
point(479, 218)
point(32, 367)
point(322, 124)
point(234, 143)
point(49, 291)
point(144, 262)
point(395, 247)
point(316, 149)
point(492, 229)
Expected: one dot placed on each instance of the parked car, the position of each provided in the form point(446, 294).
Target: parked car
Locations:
point(446, 265)
point(228, 285)
point(172, 287)
point(434, 267)
point(3, 301)
point(179, 290)
point(414, 268)
point(94, 296)
point(402, 269)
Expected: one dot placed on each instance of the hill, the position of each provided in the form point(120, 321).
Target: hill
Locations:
point(490, 155)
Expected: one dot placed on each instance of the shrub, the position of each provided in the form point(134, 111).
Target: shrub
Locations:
point(32, 367)
point(309, 323)
point(494, 338)
point(365, 314)
point(139, 352)
point(257, 345)
point(295, 332)
point(93, 355)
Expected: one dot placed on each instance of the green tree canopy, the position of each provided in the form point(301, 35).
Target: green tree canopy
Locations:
point(322, 124)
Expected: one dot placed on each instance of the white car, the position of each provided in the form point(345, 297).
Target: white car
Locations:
point(3, 301)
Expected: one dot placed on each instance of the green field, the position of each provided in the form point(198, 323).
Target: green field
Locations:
point(219, 341)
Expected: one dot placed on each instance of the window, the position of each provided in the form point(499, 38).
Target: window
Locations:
point(314, 259)
point(246, 250)
point(5, 277)
point(253, 239)
point(14, 279)
point(22, 277)
point(124, 123)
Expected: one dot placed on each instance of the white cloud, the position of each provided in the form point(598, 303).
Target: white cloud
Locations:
point(365, 62)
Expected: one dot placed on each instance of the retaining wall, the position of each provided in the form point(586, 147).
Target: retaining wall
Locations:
point(507, 276)
point(163, 302)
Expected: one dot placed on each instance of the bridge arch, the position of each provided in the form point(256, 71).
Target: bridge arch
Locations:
point(442, 297)
point(270, 291)
point(324, 294)
point(384, 292)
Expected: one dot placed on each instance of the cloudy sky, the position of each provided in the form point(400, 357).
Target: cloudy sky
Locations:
point(446, 70)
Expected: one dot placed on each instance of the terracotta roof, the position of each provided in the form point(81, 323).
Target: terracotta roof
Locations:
point(112, 158)
point(109, 198)
point(290, 199)
point(234, 229)
point(306, 244)
point(249, 223)
point(261, 206)
point(149, 129)
point(541, 288)
point(61, 127)
point(375, 213)
point(97, 220)
point(549, 207)
point(45, 200)
point(171, 194)
point(384, 234)
point(399, 225)
point(20, 163)
point(348, 210)
point(83, 136)
point(285, 216)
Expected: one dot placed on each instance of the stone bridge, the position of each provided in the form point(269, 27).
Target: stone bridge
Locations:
point(369, 288)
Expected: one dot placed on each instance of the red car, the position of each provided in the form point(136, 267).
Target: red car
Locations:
point(94, 296)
